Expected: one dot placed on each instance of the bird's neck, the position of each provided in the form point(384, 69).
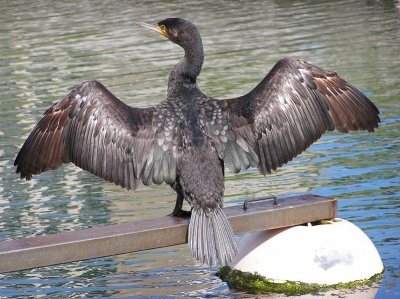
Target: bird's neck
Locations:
point(185, 72)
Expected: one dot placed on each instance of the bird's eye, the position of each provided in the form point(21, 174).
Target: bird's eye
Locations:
point(163, 30)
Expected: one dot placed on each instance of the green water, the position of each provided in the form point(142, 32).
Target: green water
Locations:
point(49, 47)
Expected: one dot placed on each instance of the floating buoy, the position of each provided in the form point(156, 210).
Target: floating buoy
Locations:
point(325, 254)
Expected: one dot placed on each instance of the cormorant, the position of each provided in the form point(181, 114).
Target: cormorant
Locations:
point(187, 139)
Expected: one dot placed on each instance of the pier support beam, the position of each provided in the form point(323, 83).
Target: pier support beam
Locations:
point(155, 233)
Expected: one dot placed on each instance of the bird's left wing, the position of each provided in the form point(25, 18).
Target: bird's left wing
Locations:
point(97, 132)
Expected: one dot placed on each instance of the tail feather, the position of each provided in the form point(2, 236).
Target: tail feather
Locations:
point(211, 238)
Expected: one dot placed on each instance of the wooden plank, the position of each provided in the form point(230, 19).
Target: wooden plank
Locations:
point(155, 233)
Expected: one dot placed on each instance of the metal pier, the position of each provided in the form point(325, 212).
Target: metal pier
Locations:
point(155, 233)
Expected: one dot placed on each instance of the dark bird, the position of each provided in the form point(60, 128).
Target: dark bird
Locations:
point(187, 139)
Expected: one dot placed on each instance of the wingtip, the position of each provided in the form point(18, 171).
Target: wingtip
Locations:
point(23, 174)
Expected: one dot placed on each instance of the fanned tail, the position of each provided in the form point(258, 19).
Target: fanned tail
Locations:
point(211, 238)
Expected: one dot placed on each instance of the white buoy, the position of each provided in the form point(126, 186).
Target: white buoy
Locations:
point(324, 254)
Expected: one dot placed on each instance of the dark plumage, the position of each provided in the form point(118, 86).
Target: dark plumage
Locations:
point(187, 139)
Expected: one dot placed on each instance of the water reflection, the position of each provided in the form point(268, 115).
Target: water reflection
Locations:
point(47, 48)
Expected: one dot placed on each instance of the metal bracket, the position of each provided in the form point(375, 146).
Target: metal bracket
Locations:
point(260, 199)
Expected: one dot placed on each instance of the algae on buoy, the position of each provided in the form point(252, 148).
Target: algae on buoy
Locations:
point(254, 283)
point(314, 255)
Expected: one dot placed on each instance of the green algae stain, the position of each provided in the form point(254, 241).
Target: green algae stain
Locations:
point(254, 283)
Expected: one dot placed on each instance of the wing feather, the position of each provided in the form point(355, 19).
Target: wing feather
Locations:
point(232, 144)
point(291, 108)
point(93, 129)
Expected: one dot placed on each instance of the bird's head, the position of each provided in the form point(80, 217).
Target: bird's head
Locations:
point(177, 30)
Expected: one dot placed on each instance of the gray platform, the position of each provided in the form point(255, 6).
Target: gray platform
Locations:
point(155, 233)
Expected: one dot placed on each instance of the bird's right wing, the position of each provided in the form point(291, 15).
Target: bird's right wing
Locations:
point(97, 132)
point(292, 107)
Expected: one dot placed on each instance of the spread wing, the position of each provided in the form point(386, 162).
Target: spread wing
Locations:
point(233, 144)
point(292, 107)
point(97, 132)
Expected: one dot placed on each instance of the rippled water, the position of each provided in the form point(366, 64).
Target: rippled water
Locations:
point(47, 48)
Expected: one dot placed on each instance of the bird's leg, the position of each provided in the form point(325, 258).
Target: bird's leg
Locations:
point(178, 207)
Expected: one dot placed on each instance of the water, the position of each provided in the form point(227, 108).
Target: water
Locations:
point(47, 48)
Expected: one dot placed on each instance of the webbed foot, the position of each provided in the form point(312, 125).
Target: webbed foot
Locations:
point(180, 213)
